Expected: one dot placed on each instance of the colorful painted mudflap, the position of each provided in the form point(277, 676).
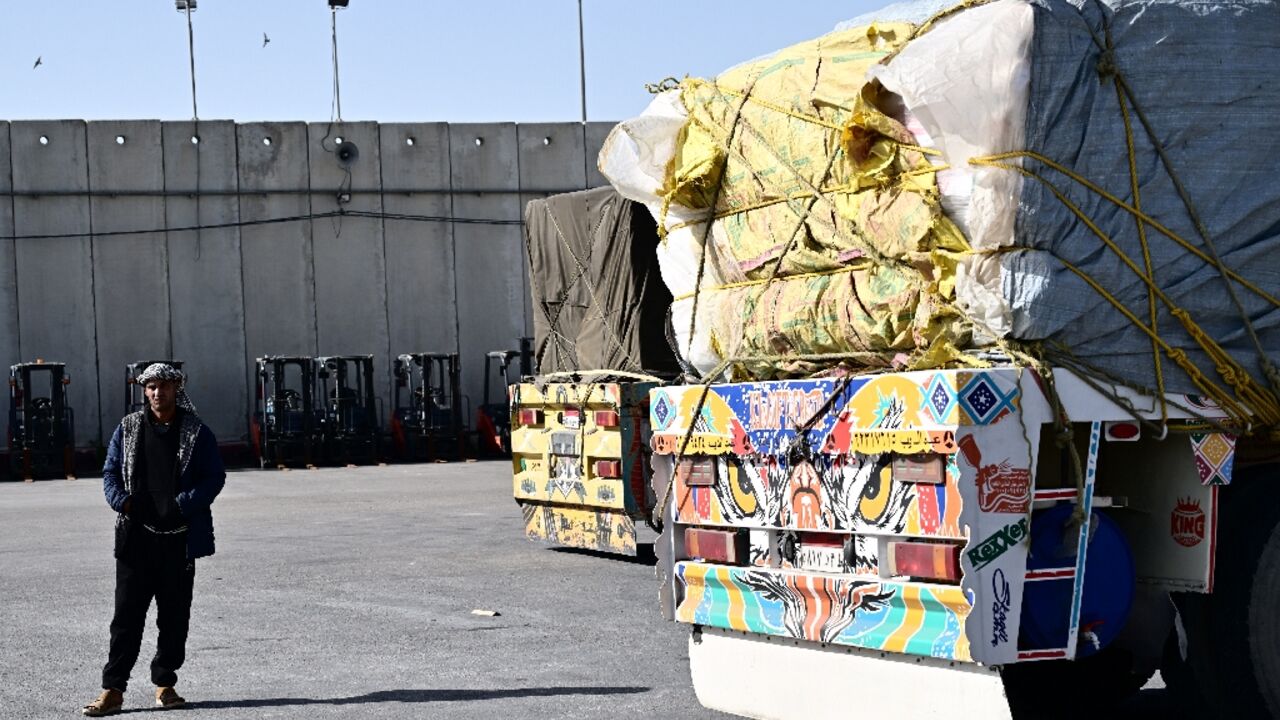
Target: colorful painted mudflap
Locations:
point(878, 528)
point(579, 459)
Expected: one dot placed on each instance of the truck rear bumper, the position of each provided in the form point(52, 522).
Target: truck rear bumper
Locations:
point(730, 671)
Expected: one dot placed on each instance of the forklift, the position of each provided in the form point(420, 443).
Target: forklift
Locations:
point(493, 417)
point(287, 427)
point(134, 399)
point(351, 431)
point(41, 427)
point(427, 421)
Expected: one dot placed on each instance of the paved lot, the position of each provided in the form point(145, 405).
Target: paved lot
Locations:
point(348, 593)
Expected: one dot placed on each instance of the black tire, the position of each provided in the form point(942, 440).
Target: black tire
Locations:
point(1233, 634)
point(1264, 622)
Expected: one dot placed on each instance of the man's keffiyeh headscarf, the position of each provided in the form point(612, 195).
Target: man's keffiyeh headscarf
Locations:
point(162, 371)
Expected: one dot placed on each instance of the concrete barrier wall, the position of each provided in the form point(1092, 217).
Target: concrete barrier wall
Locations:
point(219, 297)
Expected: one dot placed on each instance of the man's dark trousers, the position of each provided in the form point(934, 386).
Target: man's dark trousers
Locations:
point(150, 566)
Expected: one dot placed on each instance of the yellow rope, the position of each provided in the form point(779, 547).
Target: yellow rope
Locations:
point(1142, 240)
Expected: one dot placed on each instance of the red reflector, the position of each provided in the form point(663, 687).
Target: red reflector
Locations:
point(932, 561)
point(530, 417)
point(608, 468)
point(697, 472)
point(713, 545)
point(1122, 431)
point(606, 418)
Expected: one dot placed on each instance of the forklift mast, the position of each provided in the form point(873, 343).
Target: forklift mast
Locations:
point(493, 419)
point(286, 426)
point(41, 427)
point(428, 420)
point(351, 430)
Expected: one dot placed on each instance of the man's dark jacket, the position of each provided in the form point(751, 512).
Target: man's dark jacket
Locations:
point(200, 479)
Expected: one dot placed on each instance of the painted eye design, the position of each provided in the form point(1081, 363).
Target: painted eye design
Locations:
point(743, 495)
point(875, 495)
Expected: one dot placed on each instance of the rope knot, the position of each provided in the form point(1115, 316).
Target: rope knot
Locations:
point(667, 83)
point(1107, 64)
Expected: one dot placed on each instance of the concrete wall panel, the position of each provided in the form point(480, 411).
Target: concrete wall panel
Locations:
point(489, 258)
point(596, 133)
point(10, 348)
point(279, 288)
point(206, 299)
point(421, 304)
point(57, 318)
point(131, 272)
point(351, 272)
point(218, 298)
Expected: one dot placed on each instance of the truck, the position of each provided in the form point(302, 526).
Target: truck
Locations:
point(929, 529)
point(976, 308)
point(580, 424)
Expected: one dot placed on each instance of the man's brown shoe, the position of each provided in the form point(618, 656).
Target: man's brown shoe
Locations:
point(108, 703)
point(168, 698)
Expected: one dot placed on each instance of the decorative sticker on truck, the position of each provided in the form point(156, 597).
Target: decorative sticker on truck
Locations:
point(1001, 604)
point(1186, 524)
point(1002, 488)
point(1215, 457)
point(763, 418)
point(998, 544)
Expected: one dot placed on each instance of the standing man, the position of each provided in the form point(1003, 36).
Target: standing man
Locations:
point(161, 475)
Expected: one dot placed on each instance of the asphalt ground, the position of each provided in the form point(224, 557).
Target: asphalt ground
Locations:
point(349, 593)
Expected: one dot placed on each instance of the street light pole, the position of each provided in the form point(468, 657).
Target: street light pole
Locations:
point(582, 63)
point(186, 6)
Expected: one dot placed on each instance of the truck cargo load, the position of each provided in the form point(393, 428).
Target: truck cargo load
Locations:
point(1077, 181)
point(598, 301)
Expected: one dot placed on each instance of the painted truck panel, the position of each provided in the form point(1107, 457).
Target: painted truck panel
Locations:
point(819, 462)
point(579, 462)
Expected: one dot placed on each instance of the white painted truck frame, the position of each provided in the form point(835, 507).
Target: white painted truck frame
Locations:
point(798, 514)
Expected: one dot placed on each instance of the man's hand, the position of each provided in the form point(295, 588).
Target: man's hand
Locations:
point(128, 505)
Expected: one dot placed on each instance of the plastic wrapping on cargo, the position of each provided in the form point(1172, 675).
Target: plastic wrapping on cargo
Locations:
point(940, 127)
point(598, 304)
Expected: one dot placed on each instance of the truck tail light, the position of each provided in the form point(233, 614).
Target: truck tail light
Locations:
point(933, 561)
point(606, 418)
point(724, 546)
point(608, 468)
point(530, 417)
point(697, 471)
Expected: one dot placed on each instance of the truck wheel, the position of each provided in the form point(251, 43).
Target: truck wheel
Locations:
point(1233, 634)
point(1264, 622)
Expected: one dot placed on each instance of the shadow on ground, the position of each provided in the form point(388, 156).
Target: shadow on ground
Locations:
point(421, 696)
point(644, 554)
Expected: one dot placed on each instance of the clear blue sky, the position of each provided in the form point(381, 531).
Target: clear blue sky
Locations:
point(400, 60)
